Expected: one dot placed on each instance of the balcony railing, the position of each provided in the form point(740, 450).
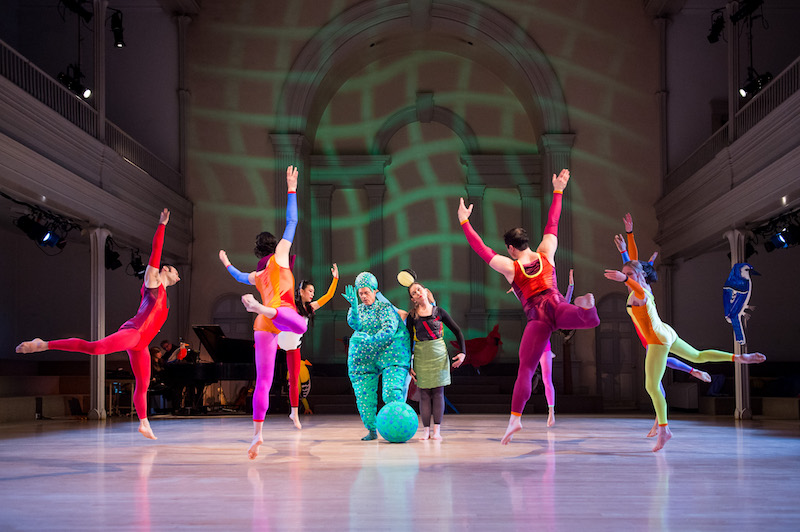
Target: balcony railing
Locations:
point(763, 103)
point(56, 96)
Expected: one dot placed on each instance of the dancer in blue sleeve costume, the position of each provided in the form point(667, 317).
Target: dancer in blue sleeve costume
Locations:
point(379, 347)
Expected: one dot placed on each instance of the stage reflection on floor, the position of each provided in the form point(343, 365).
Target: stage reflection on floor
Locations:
point(585, 474)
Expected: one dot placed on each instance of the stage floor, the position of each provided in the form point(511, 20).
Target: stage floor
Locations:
point(587, 473)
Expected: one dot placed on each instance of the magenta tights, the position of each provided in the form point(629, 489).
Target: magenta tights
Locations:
point(287, 319)
point(534, 340)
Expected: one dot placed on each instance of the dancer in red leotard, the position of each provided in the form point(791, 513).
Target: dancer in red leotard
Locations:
point(532, 276)
point(136, 333)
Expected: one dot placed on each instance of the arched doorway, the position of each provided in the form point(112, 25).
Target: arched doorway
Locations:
point(619, 355)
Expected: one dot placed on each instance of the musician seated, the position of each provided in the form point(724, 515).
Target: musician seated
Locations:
point(159, 393)
point(185, 377)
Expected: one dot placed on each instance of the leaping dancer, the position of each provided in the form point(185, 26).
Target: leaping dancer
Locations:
point(532, 275)
point(672, 362)
point(275, 283)
point(135, 335)
point(662, 339)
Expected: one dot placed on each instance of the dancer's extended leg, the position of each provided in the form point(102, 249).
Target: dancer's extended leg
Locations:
point(531, 347)
point(568, 316)
point(546, 362)
point(266, 347)
point(122, 340)
point(686, 351)
point(293, 363)
point(141, 366)
point(655, 363)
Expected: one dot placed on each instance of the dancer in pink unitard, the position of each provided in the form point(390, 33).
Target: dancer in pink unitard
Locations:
point(135, 334)
point(532, 275)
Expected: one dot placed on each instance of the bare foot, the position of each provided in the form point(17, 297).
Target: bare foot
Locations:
point(295, 417)
point(702, 375)
point(663, 436)
point(34, 346)
point(514, 425)
point(551, 417)
point(252, 452)
point(251, 305)
point(144, 428)
point(654, 430)
point(585, 301)
point(426, 434)
point(748, 358)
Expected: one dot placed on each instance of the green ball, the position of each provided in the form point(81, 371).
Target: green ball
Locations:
point(397, 422)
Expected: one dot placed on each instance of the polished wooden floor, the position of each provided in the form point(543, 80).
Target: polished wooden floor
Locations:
point(586, 473)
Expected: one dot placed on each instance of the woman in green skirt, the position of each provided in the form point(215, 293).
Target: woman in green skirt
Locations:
point(430, 365)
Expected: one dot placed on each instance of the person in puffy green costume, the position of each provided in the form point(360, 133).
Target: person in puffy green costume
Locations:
point(378, 347)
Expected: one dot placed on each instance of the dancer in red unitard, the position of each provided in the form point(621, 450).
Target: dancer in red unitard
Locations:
point(532, 275)
point(135, 334)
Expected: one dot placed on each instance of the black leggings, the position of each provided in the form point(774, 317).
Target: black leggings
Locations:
point(431, 400)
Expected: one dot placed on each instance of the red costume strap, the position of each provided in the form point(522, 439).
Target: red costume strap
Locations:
point(554, 214)
point(158, 243)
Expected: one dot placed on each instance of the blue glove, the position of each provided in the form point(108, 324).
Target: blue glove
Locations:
point(351, 295)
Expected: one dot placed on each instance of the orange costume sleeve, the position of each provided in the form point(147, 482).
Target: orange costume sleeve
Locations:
point(330, 293)
point(633, 251)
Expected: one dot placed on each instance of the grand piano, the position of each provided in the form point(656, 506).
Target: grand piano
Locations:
point(232, 360)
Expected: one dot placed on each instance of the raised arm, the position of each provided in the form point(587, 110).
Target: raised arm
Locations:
point(151, 279)
point(331, 289)
point(570, 288)
point(549, 243)
point(242, 277)
point(285, 244)
point(619, 241)
point(499, 263)
point(632, 249)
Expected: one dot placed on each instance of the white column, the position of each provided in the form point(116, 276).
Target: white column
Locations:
point(737, 242)
point(97, 375)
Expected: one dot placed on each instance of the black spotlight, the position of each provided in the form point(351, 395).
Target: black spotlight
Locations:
point(112, 257)
point(117, 29)
point(717, 25)
point(76, 6)
point(754, 83)
point(137, 266)
point(72, 80)
point(35, 230)
point(746, 8)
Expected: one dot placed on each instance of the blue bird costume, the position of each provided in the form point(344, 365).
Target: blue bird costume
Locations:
point(736, 296)
point(378, 347)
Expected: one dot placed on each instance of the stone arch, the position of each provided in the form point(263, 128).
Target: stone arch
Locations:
point(371, 29)
point(424, 111)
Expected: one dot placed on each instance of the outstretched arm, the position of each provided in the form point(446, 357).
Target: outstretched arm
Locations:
point(635, 287)
point(331, 289)
point(499, 263)
point(242, 277)
point(570, 288)
point(151, 279)
point(285, 244)
point(549, 243)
